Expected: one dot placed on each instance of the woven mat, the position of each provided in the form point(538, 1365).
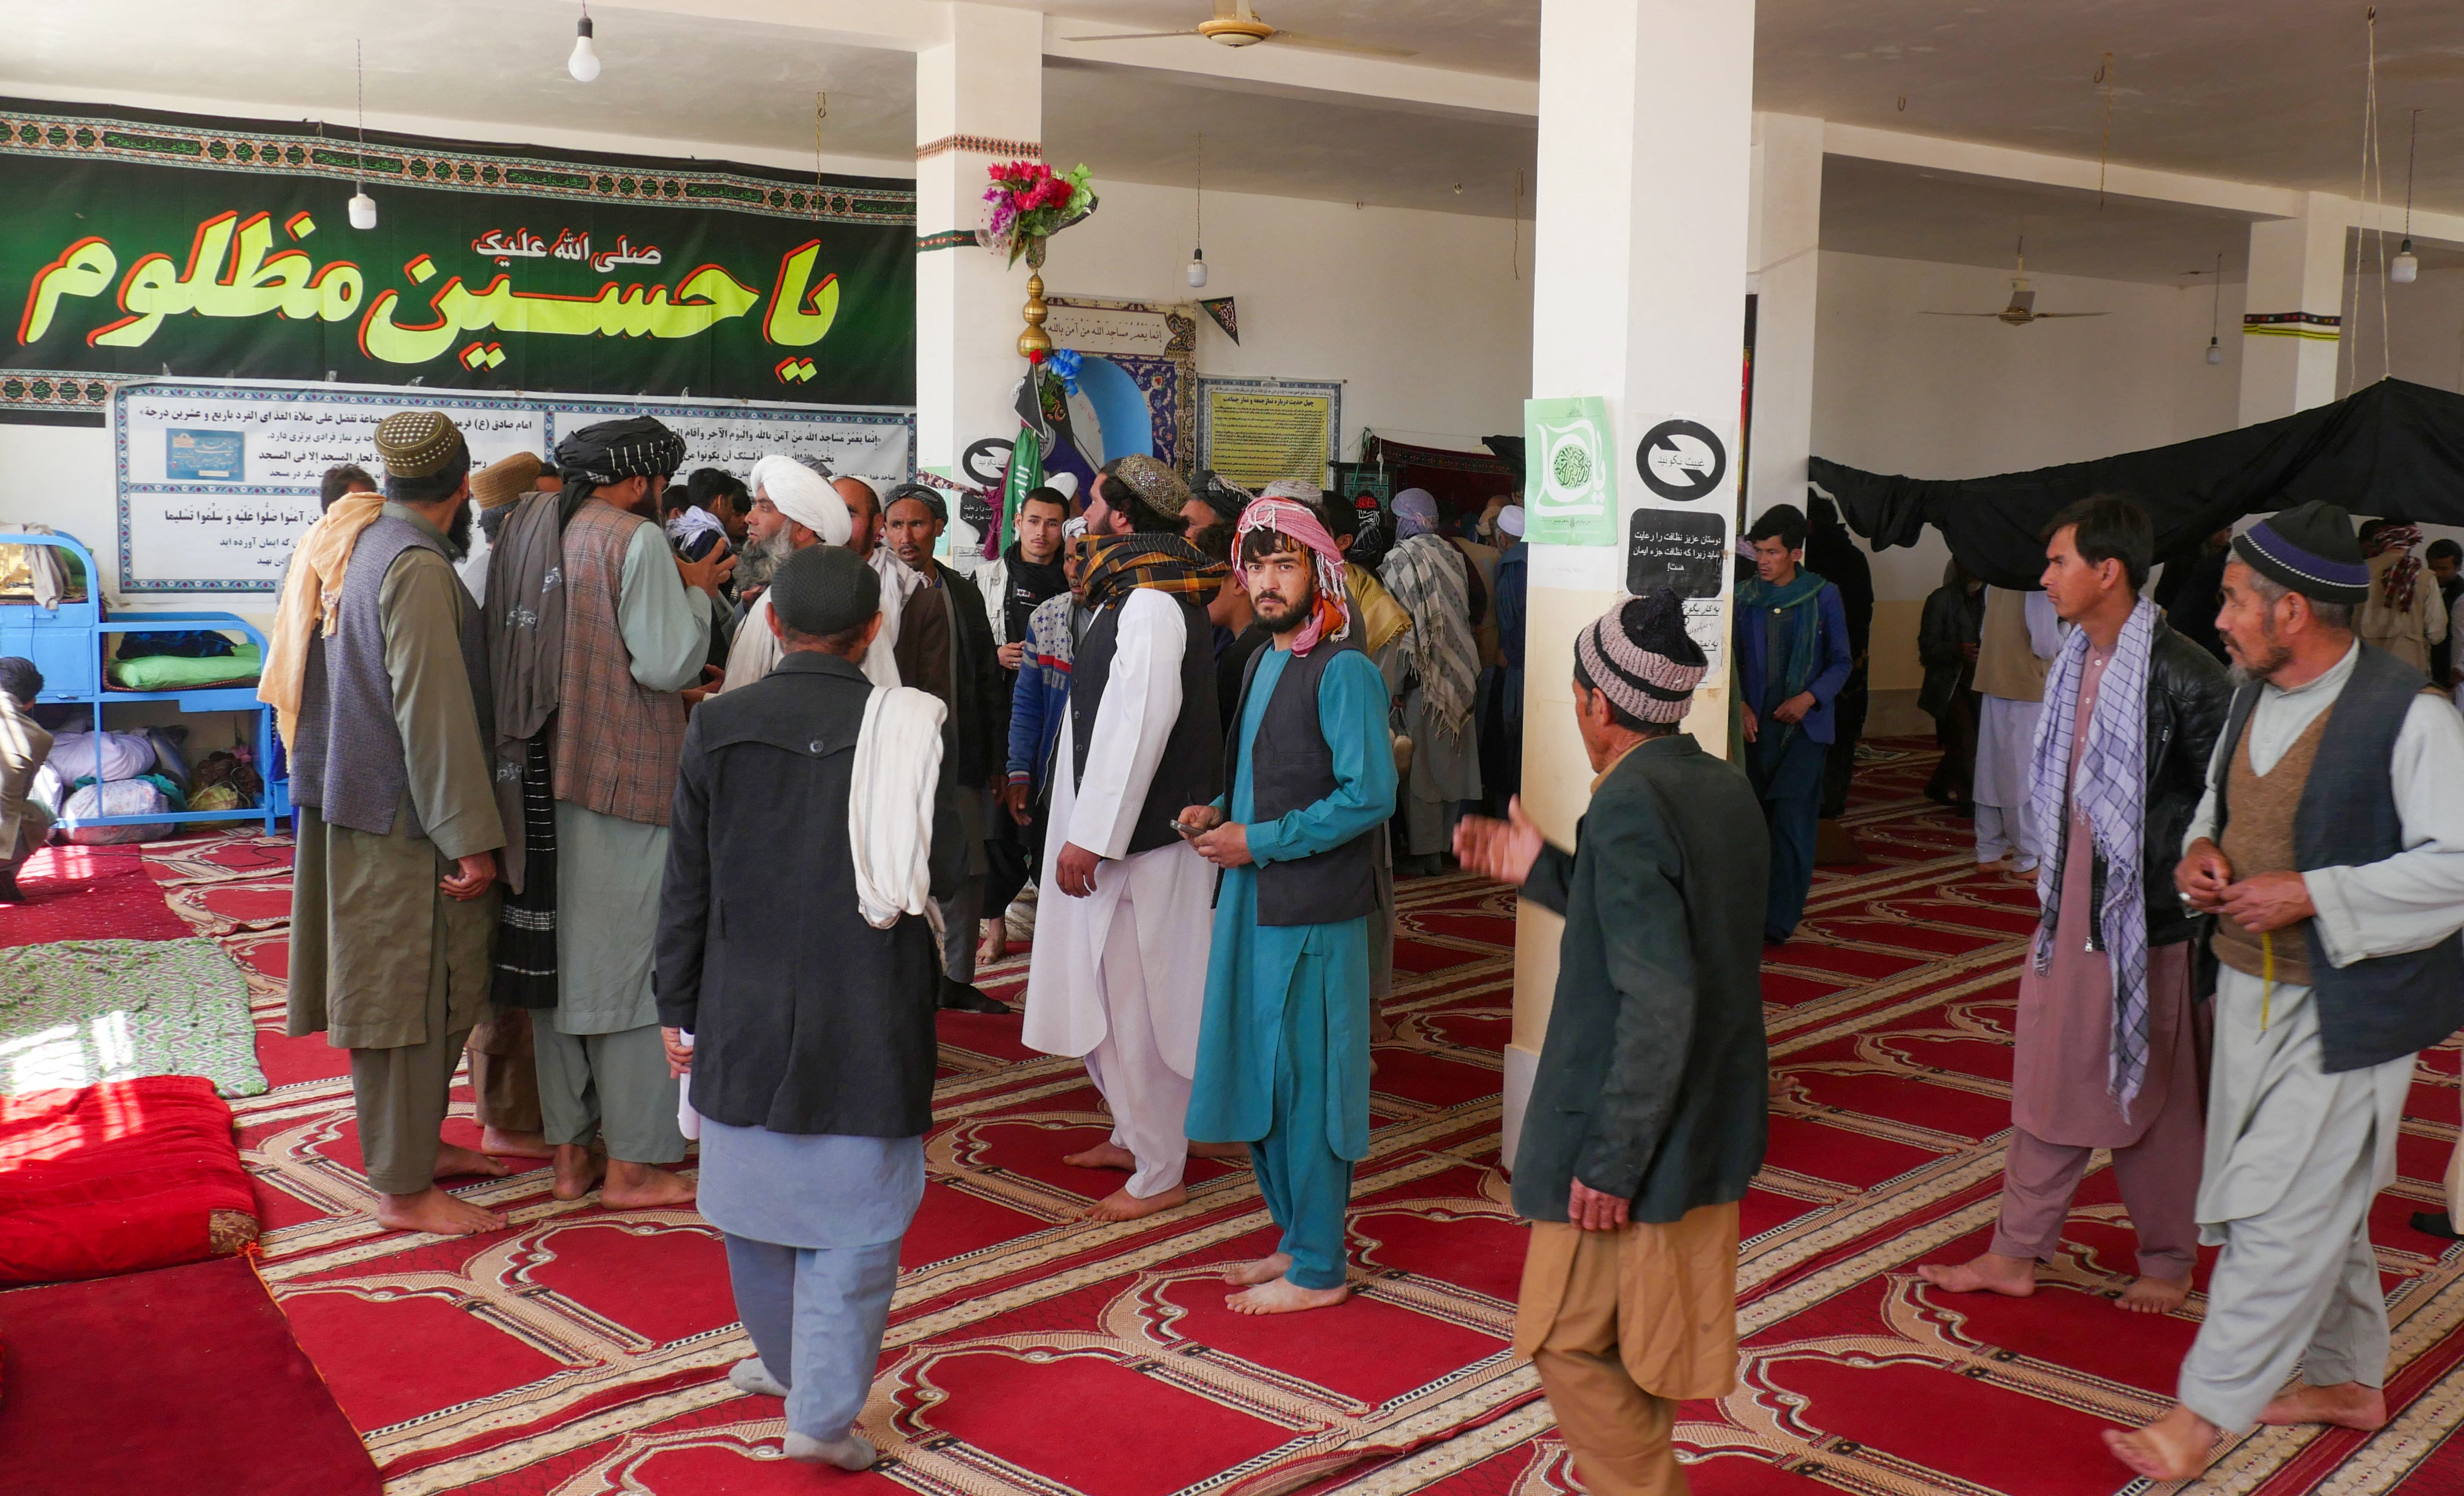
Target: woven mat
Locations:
point(76, 1012)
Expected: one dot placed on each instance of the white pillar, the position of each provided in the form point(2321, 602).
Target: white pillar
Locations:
point(1782, 237)
point(2292, 320)
point(979, 99)
point(1644, 162)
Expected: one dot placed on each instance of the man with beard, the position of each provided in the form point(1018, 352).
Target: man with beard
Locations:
point(1118, 974)
point(594, 631)
point(945, 646)
point(2330, 847)
point(792, 508)
point(1282, 1050)
point(392, 898)
point(1027, 574)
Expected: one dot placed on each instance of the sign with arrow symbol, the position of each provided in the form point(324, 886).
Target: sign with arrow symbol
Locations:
point(1682, 460)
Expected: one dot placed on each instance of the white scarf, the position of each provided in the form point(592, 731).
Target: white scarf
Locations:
point(889, 805)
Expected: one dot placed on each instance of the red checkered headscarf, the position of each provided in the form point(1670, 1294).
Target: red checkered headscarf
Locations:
point(1330, 618)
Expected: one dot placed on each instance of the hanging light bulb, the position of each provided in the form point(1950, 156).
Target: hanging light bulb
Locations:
point(1198, 255)
point(2215, 311)
point(2215, 351)
point(363, 207)
point(583, 64)
point(2405, 266)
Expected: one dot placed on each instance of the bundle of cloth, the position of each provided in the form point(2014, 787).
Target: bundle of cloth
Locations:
point(114, 774)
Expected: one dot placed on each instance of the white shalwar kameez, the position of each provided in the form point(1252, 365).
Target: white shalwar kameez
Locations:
point(1119, 977)
point(2295, 1155)
point(2006, 741)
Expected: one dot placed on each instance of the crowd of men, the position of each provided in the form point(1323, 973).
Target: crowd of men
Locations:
point(685, 828)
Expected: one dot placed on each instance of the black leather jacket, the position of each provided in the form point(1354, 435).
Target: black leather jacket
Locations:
point(2187, 693)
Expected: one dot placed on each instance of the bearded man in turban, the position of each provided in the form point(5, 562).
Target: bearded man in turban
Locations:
point(1282, 1051)
point(593, 633)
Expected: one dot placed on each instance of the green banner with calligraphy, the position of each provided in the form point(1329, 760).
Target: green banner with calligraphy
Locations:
point(137, 244)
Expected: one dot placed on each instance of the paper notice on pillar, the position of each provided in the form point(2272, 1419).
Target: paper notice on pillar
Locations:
point(1706, 624)
point(1681, 459)
point(1684, 551)
point(1570, 488)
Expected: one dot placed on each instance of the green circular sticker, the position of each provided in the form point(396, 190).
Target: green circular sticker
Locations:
point(1572, 467)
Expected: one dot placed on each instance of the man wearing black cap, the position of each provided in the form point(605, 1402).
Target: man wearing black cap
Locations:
point(393, 896)
point(945, 646)
point(594, 630)
point(1648, 1111)
point(2330, 848)
point(793, 946)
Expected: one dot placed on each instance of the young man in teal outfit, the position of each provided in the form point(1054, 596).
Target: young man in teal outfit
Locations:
point(1283, 1046)
point(1792, 662)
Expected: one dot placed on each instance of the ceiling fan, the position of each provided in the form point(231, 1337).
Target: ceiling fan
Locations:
point(2022, 309)
point(1235, 25)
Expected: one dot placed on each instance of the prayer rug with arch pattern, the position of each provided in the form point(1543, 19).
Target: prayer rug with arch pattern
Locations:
point(583, 1353)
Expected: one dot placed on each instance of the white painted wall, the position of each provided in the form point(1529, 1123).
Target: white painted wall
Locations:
point(1420, 315)
point(1956, 397)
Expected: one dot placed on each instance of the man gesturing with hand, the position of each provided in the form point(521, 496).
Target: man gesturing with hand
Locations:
point(1646, 1118)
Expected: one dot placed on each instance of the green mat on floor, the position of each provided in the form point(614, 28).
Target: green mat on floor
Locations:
point(76, 1012)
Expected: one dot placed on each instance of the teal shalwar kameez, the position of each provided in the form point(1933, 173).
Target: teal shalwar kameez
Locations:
point(1282, 1048)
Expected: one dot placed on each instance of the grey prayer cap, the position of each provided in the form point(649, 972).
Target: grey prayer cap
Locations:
point(825, 589)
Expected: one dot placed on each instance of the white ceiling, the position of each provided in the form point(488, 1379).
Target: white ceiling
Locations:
point(2258, 90)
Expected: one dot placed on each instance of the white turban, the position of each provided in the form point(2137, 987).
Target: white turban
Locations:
point(1510, 519)
point(1064, 484)
point(802, 495)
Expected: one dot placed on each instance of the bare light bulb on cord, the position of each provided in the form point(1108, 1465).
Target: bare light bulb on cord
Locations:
point(583, 64)
point(1198, 255)
point(2406, 265)
point(363, 207)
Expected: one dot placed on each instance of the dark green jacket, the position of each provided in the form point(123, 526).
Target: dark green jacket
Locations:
point(1653, 1083)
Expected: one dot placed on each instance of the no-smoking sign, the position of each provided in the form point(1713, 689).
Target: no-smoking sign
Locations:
point(1682, 460)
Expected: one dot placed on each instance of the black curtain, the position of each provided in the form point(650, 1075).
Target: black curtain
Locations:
point(2394, 450)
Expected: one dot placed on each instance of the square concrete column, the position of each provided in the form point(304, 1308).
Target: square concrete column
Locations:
point(2295, 314)
point(979, 101)
point(1783, 242)
point(1645, 156)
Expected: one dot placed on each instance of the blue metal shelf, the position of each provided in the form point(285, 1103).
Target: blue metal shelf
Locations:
point(67, 644)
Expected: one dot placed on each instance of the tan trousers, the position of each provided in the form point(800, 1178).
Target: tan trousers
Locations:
point(1622, 1325)
point(504, 1072)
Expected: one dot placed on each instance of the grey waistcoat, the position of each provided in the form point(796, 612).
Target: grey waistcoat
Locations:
point(346, 760)
point(1191, 769)
point(2379, 1009)
point(1292, 768)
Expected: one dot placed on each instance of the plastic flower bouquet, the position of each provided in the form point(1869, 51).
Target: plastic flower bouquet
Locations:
point(1027, 204)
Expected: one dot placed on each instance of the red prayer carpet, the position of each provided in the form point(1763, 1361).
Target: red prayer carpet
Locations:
point(584, 1352)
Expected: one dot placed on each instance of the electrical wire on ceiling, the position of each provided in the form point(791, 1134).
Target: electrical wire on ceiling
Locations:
point(820, 112)
point(2373, 196)
point(1516, 259)
point(2105, 155)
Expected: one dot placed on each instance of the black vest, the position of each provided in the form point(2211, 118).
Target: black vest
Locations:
point(2383, 1008)
point(1191, 770)
point(1293, 769)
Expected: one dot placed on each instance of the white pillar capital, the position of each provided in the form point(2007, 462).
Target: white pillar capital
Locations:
point(2293, 325)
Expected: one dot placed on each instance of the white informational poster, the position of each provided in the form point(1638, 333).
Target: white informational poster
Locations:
point(216, 481)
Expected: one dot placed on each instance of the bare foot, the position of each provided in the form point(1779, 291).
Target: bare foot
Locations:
point(1989, 1272)
point(1266, 1269)
point(2174, 1449)
point(1283, 1296)
point(579, 1169)
point(497, 1144)
point(433, 1211)
point(643, 1186)
point(2148, 1295)
point(2345, 1405)
point(1122, 1205)
point(1103, 1155)
point(992, 941)
point(453, 1160)
point(1239, 1152)
point(1381, 1029)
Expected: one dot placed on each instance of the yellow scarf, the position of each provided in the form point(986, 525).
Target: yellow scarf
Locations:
point(310, 594)
point(1381, 616)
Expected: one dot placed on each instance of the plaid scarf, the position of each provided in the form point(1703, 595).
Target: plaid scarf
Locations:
point(2111, 789)
point(1119, 564)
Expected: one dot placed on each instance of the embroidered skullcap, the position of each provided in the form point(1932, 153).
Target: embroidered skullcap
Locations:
point(1416, 512)
point(614, 451)
point(417, 444)
point(805, 497)
point(1510, 519)
point(930, 498)
point(823, 589)
point(2310, 550)
point(1298, 490)
point(505, 480)
point(1157, 485)
point(1640, 655)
